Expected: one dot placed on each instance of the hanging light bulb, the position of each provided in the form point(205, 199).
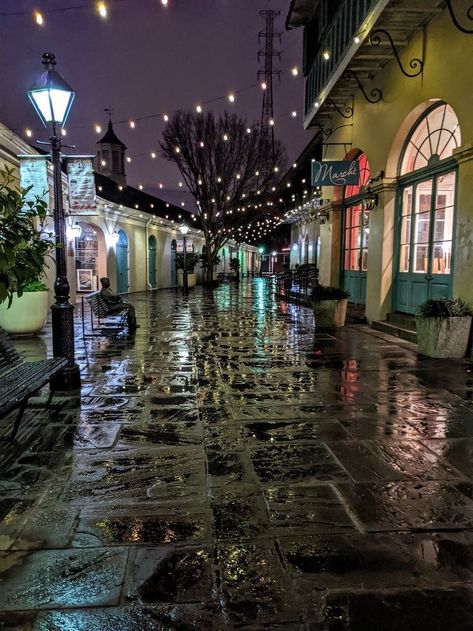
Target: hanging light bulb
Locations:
point(38, 18)
point(295, 71)
point(28, 132)
point(153, 155)
point(132, 124)
point(165, 118)
point(98, 129)
point(114, 237)
point(102, 9)
point(231, 97)
point(198, 109)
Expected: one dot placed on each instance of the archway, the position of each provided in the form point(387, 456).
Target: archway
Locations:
point(122, 262)
point(152, 249)
point(424, 249)
point(355, 234)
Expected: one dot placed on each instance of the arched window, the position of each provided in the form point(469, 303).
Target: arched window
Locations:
point(433, 138)
point(365, 174)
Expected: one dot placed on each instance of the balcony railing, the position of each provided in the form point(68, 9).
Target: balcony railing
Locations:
point(337, 42)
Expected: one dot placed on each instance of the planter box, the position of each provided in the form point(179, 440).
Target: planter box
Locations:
point(330, 313)
point(27, 314)
point(443, 337)
point(191, 279)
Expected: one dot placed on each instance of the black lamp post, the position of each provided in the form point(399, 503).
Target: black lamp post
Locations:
point(52, 98)
point(185, 281)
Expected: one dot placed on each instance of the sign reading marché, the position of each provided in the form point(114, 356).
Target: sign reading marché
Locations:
point(335, 173)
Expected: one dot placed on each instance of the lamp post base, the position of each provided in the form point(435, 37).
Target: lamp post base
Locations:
point(68, 380)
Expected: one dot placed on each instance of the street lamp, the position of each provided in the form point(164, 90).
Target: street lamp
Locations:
point(52, 98)
point(185, 284)
point(261, 252)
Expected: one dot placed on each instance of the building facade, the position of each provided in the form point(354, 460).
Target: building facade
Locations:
point(128, 235)
point(386, 85)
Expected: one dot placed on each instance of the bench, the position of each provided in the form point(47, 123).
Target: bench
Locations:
point(20, 379)
point(100, 308)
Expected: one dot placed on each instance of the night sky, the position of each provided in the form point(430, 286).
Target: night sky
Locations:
point(145, 59)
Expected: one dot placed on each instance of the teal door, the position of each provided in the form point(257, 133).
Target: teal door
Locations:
point(355, 252)
point(122, 262)
point(425, 243)
point(152, 261)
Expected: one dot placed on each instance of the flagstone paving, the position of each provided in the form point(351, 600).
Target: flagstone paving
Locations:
point(232, 466)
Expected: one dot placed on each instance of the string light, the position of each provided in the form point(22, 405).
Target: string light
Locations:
point(28, 132)
point(231, 97)
point(356, 39)
point(132, 124)
point(63, 132)
point(198, 109)
point(326, 55)
point(98, 129)
point(38, 18)
point(102, 9)
point(128, 159)
point(225, 137)
point(294, 114)
point(164, 3)
point(295, 71)
point(165, 118)
point(153, 155)
point(264, 85)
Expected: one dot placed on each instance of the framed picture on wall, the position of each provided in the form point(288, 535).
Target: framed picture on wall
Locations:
point(85, 280)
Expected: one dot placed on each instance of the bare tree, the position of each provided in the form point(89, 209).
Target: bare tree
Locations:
point(228, 168)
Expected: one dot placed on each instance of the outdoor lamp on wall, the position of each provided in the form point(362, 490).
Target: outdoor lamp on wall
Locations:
point(322, 216)
point(73, 231)
point(114, 237)
point(370, 201)
point(52, 98)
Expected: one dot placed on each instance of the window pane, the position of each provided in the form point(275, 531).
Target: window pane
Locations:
point(442, 257)
point(404, 259)
point(407, 201)
point(355, 216)
point(421, 234)
point(423, 196)
point(406, 229)
point(355, 260)
point(364, 259)
point(420, 258)
point(445, 190)
point(366, 236)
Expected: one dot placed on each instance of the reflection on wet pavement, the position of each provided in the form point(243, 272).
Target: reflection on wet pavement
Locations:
point(231, 466)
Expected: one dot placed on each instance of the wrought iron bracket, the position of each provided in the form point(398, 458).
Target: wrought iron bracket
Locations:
point(469, 15)
point(374, 96)
point(325, 131)
point(417, 65)
point(347, 111)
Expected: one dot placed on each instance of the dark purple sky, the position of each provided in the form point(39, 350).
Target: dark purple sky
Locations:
point(146, 59)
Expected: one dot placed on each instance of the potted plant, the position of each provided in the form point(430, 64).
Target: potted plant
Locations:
point(443, 327)
point(24, 248)
point(191, 261)
point(330, 306)
point(235, 267)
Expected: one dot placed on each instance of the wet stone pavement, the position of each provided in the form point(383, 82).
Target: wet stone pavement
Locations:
point(232, 466)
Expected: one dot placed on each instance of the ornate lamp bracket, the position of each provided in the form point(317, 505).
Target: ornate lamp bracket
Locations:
point(415, 64)
point(347, 111)
point(325, 131)
point(469, 15)
point(375, 95)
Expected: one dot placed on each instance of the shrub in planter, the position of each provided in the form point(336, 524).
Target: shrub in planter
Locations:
point(235, 267)
point(24, 249)
point(191, 261)
point(330, 306)
point(443, 327)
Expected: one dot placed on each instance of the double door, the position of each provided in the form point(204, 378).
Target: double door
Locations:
point(425, 242)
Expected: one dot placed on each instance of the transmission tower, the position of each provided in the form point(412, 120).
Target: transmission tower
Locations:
point(266, 74)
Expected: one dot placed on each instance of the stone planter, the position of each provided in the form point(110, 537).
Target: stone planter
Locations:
point(191, 279)
point(443, 337)
point(330, 313)
point(27, 314)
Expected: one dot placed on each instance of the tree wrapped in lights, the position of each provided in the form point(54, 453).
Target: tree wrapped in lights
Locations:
point(230, 171)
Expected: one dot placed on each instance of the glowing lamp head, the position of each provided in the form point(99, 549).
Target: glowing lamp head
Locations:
point(184, 229)
point(74, 231)
point(51, 96)
point(114, 237)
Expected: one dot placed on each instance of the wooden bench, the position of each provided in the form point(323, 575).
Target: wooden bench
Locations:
point(20, 379)
point(100, 308)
